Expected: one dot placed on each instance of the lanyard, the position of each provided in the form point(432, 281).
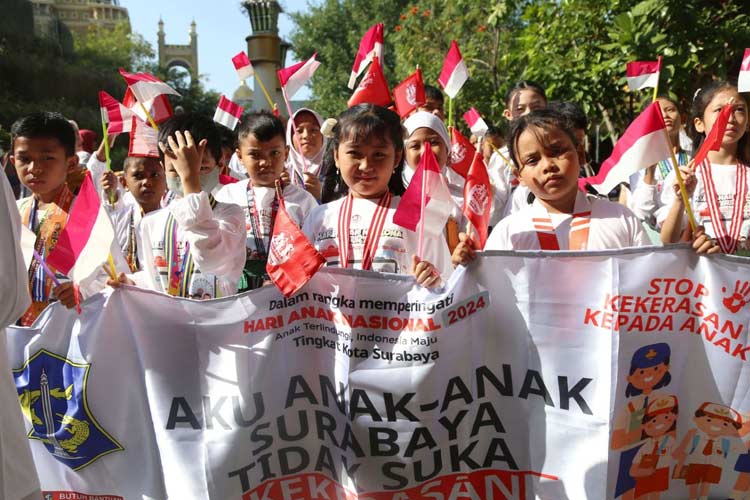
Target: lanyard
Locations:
point(256, 224)
point(373, 231)
point(727, 240)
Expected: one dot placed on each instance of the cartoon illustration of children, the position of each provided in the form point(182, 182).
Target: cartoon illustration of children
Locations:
point(741, 489)
point(703, 451)
point(649, 370)
point(651, 463)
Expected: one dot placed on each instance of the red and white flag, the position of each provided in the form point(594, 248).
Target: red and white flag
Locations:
point(454, 73)
point(427, 202)
point(145, 86)
point(295, 77)
point(292, 260)
point(86, 240)
point(159, 107)
point(117, 116)
point(643, 74)
point(743, 80)
point(409, 94)
point(373, 88)
point(144, 140)
point(243, 66)
point(476, 123)
point(478, 197)
point(715, 136)
point(370, 46)
point(644, 143)
point(228, 113)
point(461, 154)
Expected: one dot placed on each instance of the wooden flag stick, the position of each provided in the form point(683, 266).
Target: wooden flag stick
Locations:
point(656, 87)
point(683, 190)
point(265, 92)
point(46, 268)
point(506, 160)
point(148, 115)
point(450, 111)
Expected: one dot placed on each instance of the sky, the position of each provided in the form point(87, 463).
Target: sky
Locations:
point(222, 26)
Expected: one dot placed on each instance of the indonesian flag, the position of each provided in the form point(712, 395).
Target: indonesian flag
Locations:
point(228, 113)
point(715, 135)
point(296, 76)
point(370, 46)
point(292, 260)
point(461, 154)
point(243, 66)
point(409, 94)
point(146, 86)
point(476, 124)
point(117, 116)
point(427, 200)
point(644, 143)
point(743, 81)
point(159, 108)
point(372, 89)
point(478, 197)
point(643, 74)
point(454, 73)
point(144, 140)
point(86, 240)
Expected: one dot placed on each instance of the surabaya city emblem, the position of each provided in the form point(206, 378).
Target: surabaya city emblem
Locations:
point(458, 153)
point(478, 199)
point(281, 249)
point(52, 394)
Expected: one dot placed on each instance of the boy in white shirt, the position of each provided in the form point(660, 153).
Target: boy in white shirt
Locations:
point(262, 151)
point(195, 246)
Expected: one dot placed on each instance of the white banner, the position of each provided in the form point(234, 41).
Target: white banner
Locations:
point(596, 375)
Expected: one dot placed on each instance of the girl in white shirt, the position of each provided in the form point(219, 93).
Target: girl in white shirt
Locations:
point(718, 187)
point(357, 230)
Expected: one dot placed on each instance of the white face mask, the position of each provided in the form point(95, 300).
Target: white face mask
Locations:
point(208, 182)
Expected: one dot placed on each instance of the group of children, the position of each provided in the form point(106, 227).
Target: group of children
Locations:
point(191, 223)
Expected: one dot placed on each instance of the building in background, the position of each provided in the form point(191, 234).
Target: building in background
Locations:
point(76, 15)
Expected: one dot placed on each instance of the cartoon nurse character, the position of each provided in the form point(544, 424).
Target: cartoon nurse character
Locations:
point(651, 463)
point(649, 370)
point(702, 453)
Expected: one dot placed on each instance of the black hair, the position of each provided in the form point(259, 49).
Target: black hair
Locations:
point(524, 85)
point(669, 98)
point(133, 161)
point(227, 137)
point(263, 124)
point(200, 127)
point(493, 130)
point(701, 100)
point(45, 124)
point(434, 93)
point(358, 123)
point(542, 119)
point(572, 111)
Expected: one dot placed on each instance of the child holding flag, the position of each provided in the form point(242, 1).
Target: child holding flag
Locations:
point(43, 147)
point(427, 130)
point(195, 246)
point(543, 146)
point(718, 186)
point(262, 151)
point(358, 230)
point(647, 185)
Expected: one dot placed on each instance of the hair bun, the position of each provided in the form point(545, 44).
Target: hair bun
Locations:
point(327, 128)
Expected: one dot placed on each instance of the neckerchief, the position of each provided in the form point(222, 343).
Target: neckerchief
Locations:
point(579, 226)
point(727, 240)
point(47, 226)
point(374, 231)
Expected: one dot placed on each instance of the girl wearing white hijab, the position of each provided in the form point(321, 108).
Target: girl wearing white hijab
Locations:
point(424, 128)
point(306, 149)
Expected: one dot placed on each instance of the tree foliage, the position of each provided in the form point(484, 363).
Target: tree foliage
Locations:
point(577, 49)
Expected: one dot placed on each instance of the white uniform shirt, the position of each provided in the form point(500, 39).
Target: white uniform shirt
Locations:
point(298, 204)
point(663, 444)
point(611, 226)
point(396, 245)
point(18, 477)
point(217, 244)
point(501, 177)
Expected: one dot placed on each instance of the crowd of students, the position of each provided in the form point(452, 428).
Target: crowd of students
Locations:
point(197, 221)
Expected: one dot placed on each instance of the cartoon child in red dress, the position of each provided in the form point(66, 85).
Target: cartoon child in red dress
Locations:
point(651, 463)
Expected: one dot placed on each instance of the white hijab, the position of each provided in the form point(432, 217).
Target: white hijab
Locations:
point(423, 119)
point(294, 160)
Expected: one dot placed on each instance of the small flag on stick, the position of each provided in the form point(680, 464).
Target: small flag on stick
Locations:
point(370, 46)
point(228, 113)
point(373, 88)
point(643, 74)
point(409, 94)
point(454, 73)
point(477, 125)
point(243, 66)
